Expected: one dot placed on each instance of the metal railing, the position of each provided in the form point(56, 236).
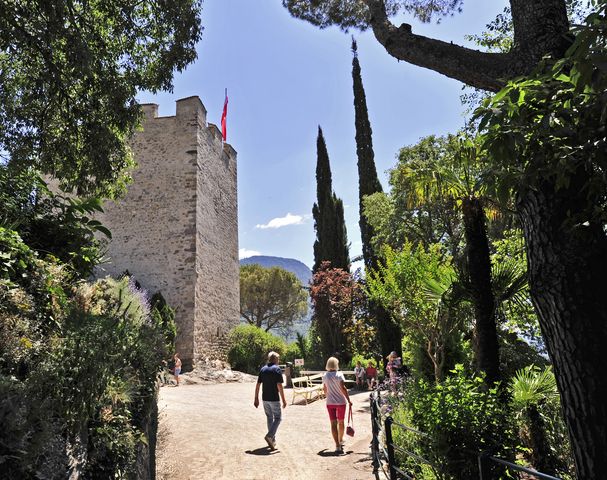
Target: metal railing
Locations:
point(484, 468)
point(384, 452)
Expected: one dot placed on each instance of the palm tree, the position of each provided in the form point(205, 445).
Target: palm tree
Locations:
point(456, 174)
point(531, 387)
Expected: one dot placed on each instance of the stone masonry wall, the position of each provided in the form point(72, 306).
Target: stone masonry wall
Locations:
point(217, 266)
point(176, 229)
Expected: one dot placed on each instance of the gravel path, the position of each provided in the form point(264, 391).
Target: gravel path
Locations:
point(215, 432)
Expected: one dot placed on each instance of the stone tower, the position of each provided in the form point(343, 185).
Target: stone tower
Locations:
point(176, 230)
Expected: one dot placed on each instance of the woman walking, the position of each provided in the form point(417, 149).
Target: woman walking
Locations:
point(334, 385)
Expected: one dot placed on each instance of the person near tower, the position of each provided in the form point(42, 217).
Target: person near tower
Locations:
point(270, 379)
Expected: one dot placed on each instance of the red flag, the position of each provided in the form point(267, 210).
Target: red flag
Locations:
point(224, 116)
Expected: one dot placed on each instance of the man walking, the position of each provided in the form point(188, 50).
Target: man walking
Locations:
point(271, 378)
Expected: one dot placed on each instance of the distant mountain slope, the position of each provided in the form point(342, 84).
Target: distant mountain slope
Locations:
point(301, 270)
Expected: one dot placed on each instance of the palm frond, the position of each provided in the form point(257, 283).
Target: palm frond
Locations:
point(531, 385)
point(509, 282)
point(438, 289)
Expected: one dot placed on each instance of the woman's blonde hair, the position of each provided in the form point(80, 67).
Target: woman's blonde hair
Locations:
point(332, 364)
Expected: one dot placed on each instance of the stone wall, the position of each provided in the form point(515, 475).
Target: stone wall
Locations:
point(217, 301)
point(176, 230)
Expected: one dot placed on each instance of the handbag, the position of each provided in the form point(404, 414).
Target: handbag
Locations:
point(350, 427)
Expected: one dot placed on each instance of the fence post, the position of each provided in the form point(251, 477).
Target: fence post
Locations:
point(390, 448)
point(484, 470)
point(375, 430)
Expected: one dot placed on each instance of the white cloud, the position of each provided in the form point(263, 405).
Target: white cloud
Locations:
point(288, 219)
point(244, 253)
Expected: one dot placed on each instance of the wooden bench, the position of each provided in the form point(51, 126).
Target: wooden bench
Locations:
point(350, 382)
point(304, 387)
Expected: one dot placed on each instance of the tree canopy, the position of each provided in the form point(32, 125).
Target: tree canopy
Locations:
point(69, 73)
point(271, 298)
point(336, 296)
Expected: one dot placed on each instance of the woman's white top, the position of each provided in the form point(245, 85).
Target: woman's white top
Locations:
point(335, 395)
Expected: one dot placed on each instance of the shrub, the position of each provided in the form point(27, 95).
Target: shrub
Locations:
point(94, 375)
point(250, 346)
point(292, 352)
point(364, 361)
point(462, 418)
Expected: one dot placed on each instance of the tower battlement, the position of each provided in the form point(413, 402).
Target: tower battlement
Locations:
point(176, 230)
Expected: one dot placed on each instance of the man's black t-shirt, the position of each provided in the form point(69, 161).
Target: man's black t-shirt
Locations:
point(269, 377)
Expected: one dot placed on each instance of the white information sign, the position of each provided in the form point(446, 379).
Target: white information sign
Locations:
point(299, 362)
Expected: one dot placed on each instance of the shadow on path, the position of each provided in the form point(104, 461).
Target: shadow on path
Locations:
point(330, 453)
point(262, 451)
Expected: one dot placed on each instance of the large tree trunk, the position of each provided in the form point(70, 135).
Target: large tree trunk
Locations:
point(567, 276)
point(479, 270)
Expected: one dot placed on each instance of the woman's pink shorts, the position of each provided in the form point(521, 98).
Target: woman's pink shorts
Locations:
point(337, 412)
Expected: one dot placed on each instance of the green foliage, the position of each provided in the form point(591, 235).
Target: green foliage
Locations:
point(292, 352)
point(87, 377)
point(31, 291)
point(537, 408)
point(420, 207)
point(52, 224)
point(461, 419)
point(368, 181)
point(417, 286)
point(70, 71)
point(102, 373)
point(313, 344)
point(364, 361)
point(271, 298)
point(250, 346)
point(517, 313)
point(304, 345)
point(548, 127)
point(331, 243)
point(164, 316)
point(516, 353)
point(531, 386)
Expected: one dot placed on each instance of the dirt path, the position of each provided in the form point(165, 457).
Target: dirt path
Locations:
point(215, 432)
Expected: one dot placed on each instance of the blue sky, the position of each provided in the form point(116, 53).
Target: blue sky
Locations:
point(286, 77)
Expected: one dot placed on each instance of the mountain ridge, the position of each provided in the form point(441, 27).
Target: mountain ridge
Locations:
point(297, 267)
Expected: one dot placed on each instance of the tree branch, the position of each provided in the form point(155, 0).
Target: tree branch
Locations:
point(487, 71)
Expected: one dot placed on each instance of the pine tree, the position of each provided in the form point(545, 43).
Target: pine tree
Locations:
point(368, 183)
point(331, 238)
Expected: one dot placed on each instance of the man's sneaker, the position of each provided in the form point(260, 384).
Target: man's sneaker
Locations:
point(270, 442)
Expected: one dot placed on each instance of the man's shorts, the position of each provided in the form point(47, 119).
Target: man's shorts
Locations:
point(177, 371)
point(337, 412)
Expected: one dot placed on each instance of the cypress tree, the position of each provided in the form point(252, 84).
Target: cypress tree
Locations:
point(368, 183)
point(331, 238)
